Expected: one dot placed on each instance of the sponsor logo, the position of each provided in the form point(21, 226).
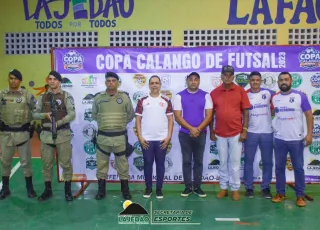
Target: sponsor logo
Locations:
point(89, 148)
point(88, 115)
point(137, 148)
point(168, 164)
point(309, 58)
point(242, 79)
point(316, 115)
point(268, 80)
point(213, 148)
point(216, 81)
point(169, 147)
point(133, 213)
point(66, 83)
point(261, 165)
point(73, 61)
point(166, 93)
point(89, 82)
point(314, 165)
point(138, 162)
point(315, 97)
point(165, 81)
point(316, 131)
point(138, 95)
point(139, 80)
point(315, 80)
point(314, 148)
point(88, 99)
point(296, 80)
point(289, 164)
point(91, 163)
point(119, 82)
point(89, 131)
point(214, 164)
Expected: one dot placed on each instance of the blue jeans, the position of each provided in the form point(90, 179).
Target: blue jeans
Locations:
point(295, 149)
point(265, 143)
point(192, 148)
point(154, 152)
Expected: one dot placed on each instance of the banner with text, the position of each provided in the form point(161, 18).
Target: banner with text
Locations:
point(83, 72)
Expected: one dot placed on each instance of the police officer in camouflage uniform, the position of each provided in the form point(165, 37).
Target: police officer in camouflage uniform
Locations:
point(65, 113)
point(16, 107)
point(112, 109)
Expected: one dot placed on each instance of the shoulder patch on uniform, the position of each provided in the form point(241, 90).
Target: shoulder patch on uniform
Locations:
point(70, 97)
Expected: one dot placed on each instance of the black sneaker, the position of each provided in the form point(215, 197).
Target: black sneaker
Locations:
point(249, 193)
point(266, 193)
point(159, 194)
point(186, 192)
point(147, 193)
point(199, 192)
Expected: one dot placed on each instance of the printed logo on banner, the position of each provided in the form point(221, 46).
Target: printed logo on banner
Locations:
point(214, 164)
point(216, 81)
point(314, 148)
point(138, 163)
point(89, 82)
point(135, 130)
point(66, 83)
point(260, 165)
point(316, 131)
point(88, 99)
point(315, 97)
point(138, 95)
point(296, 80)
point(113, 164)
point(166, 93)
point(289, 164)
point(73, 61)
point(137, 148)
point(309, 58)
point(91, 163)
point(213, 147)
point(315, 80)
point(314, 165)
point(139, 80)
point(165, 81)
point(72, 133)
point(268, 80)
point(88, 115)
point(88, 131)
point(169, 147)
point(168, 164)
point(119, 82)
point(89, 148)
point(242, 162)
point(316, 115)
point(242, 79)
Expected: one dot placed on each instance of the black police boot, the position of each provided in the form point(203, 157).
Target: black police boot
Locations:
point(47, 194)
point(101, 189)
point(125, 190)
point(30, 191)
point(67, 191)
point(5, 191)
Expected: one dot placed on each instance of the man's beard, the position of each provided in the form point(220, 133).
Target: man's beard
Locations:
point(285, 88)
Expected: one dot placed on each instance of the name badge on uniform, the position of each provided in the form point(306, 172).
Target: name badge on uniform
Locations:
point(19, 100)
point(119, 100)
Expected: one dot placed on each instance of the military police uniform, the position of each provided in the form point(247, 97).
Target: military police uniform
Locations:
point(112, 114)
point(65, 113)
point(16, 115)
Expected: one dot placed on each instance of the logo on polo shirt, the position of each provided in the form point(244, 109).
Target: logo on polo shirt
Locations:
point(139, 80)
point(315, 97)
point(314, 148)
point(296, 80)
point(268, 80)
point(316, 131)
point(315, 80)
point(314, 165)
point(289, 164)
point(242, 79)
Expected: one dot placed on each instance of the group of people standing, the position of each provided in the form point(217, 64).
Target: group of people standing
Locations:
point(234, 117)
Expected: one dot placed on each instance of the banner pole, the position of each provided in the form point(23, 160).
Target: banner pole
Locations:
point(84, 186)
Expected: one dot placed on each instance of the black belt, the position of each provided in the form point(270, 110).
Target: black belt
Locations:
point(23, 128)
point(65, 126)
point(112, 134)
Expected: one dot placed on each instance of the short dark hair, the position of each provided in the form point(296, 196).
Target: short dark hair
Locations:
point(154, 76)
point(283, 73)
point(254, 73)
point(193, 73)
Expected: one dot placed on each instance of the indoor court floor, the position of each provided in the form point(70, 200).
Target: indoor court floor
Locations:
point(20, 212)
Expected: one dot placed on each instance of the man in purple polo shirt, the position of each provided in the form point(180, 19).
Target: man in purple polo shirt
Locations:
point(193, 112)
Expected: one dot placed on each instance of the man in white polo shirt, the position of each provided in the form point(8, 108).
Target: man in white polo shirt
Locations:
point(290, 106)
point(154, 124)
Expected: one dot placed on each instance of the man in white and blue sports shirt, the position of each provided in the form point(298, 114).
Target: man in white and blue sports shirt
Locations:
point(260, 134)
point(289, 106)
